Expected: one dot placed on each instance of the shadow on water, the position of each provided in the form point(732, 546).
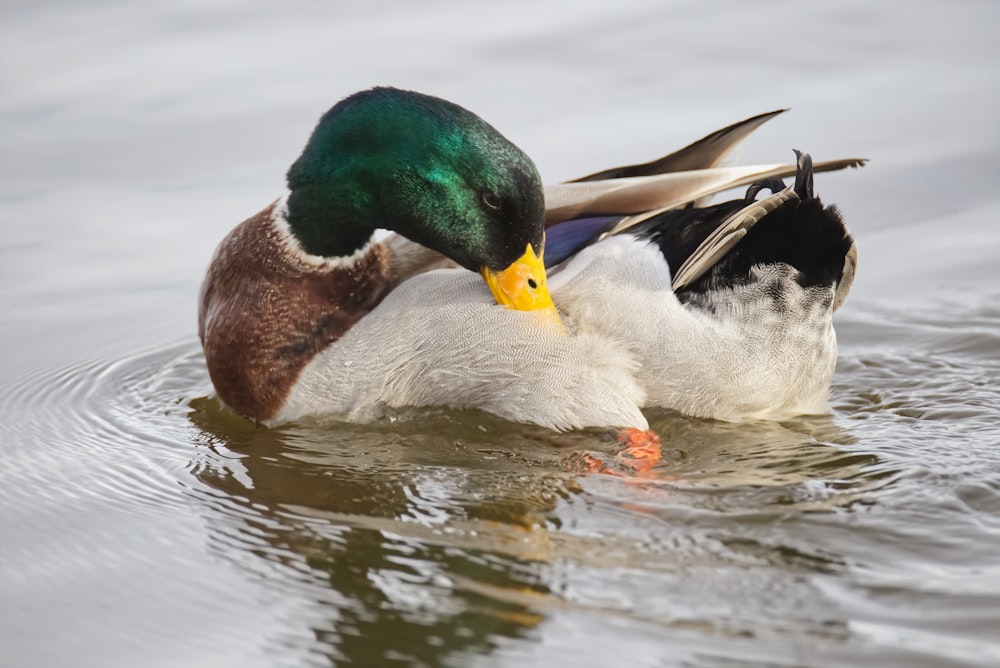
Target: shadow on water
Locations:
point(437, 535)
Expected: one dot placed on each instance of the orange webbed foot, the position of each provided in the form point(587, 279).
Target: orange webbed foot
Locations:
point(643, 449)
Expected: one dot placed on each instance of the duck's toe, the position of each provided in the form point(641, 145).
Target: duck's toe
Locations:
point(643, 449)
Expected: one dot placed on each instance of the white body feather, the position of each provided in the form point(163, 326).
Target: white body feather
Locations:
point(766, 349)
point(629, 343)
point(443, 341)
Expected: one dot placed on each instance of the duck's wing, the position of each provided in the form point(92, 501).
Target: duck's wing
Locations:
point(643, 196)
point(565, 239)
point(664, 198)
point(685, 177)
point(707, 152)
point(577, 223)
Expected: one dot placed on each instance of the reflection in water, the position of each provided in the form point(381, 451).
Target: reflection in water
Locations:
point(456, 534)
point(391, 529)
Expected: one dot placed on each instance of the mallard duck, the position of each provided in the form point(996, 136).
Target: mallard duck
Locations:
point(405, 268)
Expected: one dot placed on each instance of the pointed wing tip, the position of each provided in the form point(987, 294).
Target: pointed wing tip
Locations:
point(704, 153)
point(760, 119)
point(841, 163)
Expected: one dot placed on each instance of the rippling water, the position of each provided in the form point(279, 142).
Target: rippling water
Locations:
point(142, 524)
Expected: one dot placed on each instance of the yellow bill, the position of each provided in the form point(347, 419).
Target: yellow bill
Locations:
point(521, 286)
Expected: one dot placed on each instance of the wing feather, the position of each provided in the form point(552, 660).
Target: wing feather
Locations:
point(662, 192)
point(707, 152)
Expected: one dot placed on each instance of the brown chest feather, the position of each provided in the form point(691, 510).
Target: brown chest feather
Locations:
point(265, 312)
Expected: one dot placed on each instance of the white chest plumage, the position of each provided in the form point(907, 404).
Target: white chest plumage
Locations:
point(443, 341)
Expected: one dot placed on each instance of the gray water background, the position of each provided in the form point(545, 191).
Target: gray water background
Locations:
point(140, 524)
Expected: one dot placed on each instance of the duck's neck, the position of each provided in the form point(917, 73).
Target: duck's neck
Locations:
point(326, 225)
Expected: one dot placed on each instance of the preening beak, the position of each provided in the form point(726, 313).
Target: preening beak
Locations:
point(521, 286)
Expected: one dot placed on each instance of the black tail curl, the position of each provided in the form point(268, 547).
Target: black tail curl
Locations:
point(800, 232)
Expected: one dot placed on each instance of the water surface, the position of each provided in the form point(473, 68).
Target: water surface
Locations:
point(142, 524)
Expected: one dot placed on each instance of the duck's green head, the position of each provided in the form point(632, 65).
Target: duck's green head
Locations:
point(432, 171)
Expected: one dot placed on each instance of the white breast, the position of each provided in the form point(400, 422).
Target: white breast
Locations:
point(439, 339)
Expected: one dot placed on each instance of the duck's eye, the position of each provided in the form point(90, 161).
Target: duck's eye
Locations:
point(490, 200)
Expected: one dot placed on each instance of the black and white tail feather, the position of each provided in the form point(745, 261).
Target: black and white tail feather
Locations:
point(716, 247)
